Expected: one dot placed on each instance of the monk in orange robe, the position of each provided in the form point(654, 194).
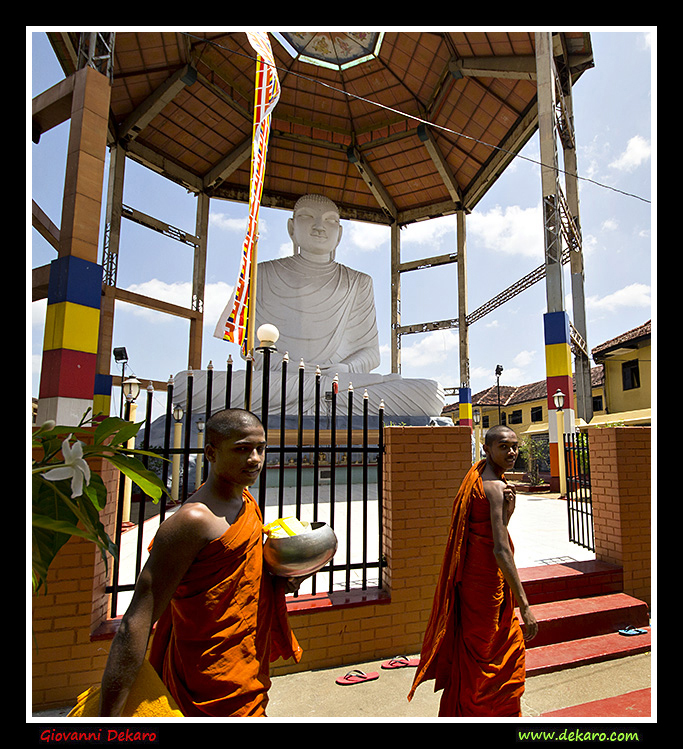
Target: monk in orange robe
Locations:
point(221, 617)
point(474, 646)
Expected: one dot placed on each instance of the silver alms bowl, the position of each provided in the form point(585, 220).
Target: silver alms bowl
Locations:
point(301, 555)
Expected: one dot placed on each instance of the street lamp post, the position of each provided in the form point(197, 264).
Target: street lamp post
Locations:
point(121, 357)
point(267, 335)
point(476, 417)
point(130, 389)
point(558, 399)
point(175, 465)
point(199, 465)
point(499, 372)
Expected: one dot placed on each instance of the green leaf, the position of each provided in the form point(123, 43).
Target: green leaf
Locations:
point(59, 526)
point(148, 481)
point(96, 492)
point(120, 429)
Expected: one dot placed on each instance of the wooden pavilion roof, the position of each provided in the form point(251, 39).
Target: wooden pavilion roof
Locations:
point(420, 128)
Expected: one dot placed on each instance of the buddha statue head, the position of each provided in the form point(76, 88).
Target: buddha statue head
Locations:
point(315, 228)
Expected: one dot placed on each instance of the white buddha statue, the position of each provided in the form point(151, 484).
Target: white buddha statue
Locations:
point(325, 314)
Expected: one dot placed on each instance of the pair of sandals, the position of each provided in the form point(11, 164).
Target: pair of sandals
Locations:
point(631, 630)
point(356, 676)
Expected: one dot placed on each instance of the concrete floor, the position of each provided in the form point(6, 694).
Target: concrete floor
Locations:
point(314, 694)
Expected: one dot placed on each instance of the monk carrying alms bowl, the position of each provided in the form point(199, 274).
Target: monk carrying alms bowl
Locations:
point(302, 554)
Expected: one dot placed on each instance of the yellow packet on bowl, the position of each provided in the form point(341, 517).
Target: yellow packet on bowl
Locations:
point(283, 527)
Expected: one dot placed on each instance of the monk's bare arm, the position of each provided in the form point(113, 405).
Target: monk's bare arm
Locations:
point(501, 549)
point(175, 546)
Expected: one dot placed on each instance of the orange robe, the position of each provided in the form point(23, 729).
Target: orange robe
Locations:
point(473, 646)
point(224, 625)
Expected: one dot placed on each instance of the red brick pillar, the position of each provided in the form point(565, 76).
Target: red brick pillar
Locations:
point(621, 492)
point(66, 612)
point(423, 469)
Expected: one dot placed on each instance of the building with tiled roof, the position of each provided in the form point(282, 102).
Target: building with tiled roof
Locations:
point(621, 387)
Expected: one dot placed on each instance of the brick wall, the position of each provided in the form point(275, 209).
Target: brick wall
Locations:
point(66, 612)
point(423, 468)
point(621, 492)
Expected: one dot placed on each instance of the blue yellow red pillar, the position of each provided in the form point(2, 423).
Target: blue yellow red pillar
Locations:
point(465, 407)
point(558, 363)
point(68, 382)
point(70, 342)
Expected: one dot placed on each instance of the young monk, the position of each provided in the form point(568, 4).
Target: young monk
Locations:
point(221, 618)
point(474, 646)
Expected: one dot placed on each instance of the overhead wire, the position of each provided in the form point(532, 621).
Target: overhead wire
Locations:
point(421, 120)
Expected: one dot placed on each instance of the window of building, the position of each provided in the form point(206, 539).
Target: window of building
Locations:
point(536, 414)
point(630, 374)
point(516, 417)
point(597, 403)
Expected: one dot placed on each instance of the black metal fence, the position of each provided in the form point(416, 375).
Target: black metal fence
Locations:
point(579, 501)
point(333, 474)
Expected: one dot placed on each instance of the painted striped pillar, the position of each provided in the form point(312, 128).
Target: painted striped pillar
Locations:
point(72, 319)
point(465, 407)
point(68, 382)
point(558, 367)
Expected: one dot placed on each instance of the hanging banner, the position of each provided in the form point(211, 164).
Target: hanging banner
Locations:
point(234, 324)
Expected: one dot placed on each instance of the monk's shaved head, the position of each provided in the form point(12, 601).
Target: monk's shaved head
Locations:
point(223, 424)
point(498, 432)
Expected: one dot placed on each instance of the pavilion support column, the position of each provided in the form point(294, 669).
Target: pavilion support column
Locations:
point(72, 321)
point(465, 391)
point(198, 282)
point(395, 298)
point(110, 262)
point(582, 364)
point(556, 321)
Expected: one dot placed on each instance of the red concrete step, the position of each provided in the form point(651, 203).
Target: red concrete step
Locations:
point(555, 582)
point(637, 704)
point(579, 618)
point(580, 652)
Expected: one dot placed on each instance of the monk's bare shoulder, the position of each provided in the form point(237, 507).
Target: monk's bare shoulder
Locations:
point(493, 485)
point(193, 523)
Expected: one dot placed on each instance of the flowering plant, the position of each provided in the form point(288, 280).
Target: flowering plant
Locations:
point(68, 495)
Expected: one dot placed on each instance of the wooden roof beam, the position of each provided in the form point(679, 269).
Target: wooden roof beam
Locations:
point(140, 117)
point(519, 67)
point(226, 166)
point(425, 135)
point(373, 182)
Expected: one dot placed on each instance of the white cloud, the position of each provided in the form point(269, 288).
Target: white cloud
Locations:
point(430, 349)
point(38, 309)
point(216, 296)
point(224, 222)
point(609, 224)
point(634, 295)
point(285, 249)
point(511, 231)
point(366, 237)
point(524, 358)
point(429, 232)
point(637, 152)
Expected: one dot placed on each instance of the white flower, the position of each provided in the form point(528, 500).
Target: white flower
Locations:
point(75, 467)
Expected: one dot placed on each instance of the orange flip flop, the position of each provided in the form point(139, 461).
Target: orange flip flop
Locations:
point(401, 661)
point(356, 677)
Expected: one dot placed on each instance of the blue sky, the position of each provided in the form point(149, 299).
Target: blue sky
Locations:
point(613, 106)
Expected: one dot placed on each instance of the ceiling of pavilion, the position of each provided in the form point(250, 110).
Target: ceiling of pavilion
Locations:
point(389, 125)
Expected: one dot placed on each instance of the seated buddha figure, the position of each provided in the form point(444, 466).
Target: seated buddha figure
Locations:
point(325, 314)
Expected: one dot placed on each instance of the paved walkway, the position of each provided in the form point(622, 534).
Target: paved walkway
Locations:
point(314, 694)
